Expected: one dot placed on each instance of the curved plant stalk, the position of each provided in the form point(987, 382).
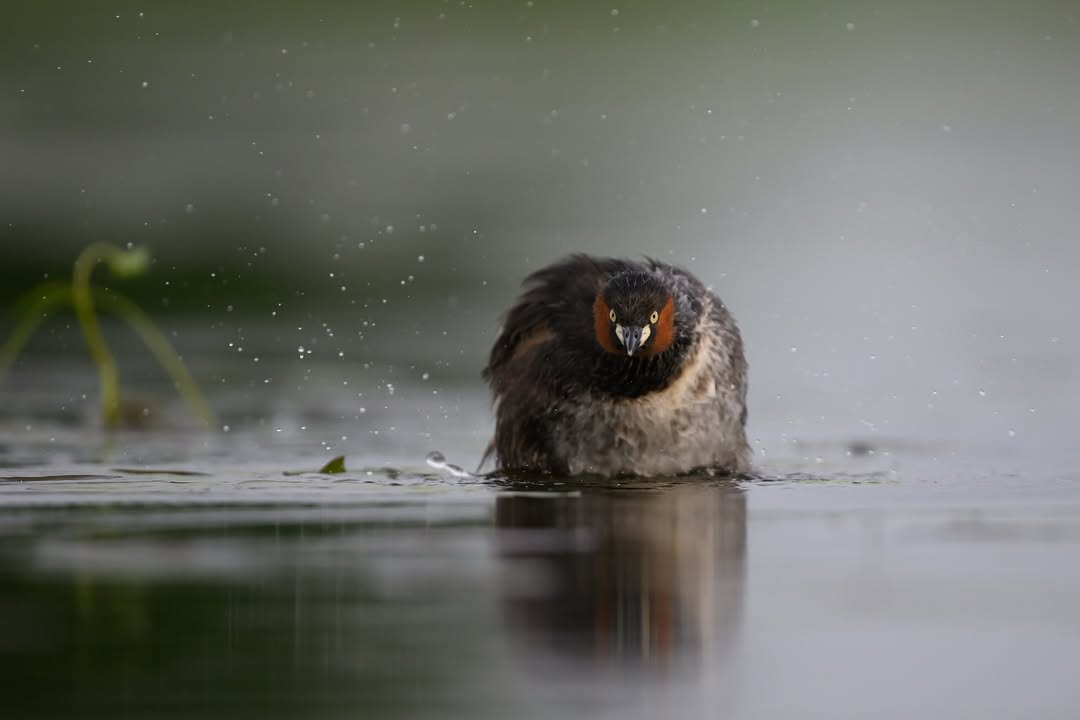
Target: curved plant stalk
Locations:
point(37, 305)
point(83, 300)
point(44, 298)
point(162, 351)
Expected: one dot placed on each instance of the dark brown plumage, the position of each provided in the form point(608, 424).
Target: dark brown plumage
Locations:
point(618, 367)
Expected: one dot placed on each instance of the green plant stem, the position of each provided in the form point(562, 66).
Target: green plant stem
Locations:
point(162, 350)
point(35, 307)
point(42, 300)
point(82, 298)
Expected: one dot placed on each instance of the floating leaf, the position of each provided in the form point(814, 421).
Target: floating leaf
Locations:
point(335, 466)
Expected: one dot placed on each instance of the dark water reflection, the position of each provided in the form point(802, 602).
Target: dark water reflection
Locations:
point(394, 608)
point(641, 579)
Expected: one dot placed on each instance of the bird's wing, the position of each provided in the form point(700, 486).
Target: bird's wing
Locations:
point(556, 300)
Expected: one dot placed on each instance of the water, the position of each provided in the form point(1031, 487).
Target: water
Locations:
point(168, 572)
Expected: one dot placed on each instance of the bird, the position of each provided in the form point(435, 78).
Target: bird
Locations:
point(616, 367)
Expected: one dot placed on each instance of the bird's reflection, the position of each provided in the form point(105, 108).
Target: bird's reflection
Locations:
point(635, 576)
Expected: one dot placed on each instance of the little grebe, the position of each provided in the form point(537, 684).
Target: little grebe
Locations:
point(618, 367)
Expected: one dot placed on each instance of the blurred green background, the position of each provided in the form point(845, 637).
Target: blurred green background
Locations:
point(883, 193)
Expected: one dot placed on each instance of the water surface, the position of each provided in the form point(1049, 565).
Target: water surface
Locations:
point(170, 572)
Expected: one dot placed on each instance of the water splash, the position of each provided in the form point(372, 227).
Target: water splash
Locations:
point(438, 461)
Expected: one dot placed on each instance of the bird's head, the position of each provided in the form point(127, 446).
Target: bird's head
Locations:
point(634, 314)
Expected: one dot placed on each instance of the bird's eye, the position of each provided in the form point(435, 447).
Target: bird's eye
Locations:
point(654, 317)
point(611, 315)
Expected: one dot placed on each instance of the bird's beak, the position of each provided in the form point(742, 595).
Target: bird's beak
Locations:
point(632, 339)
